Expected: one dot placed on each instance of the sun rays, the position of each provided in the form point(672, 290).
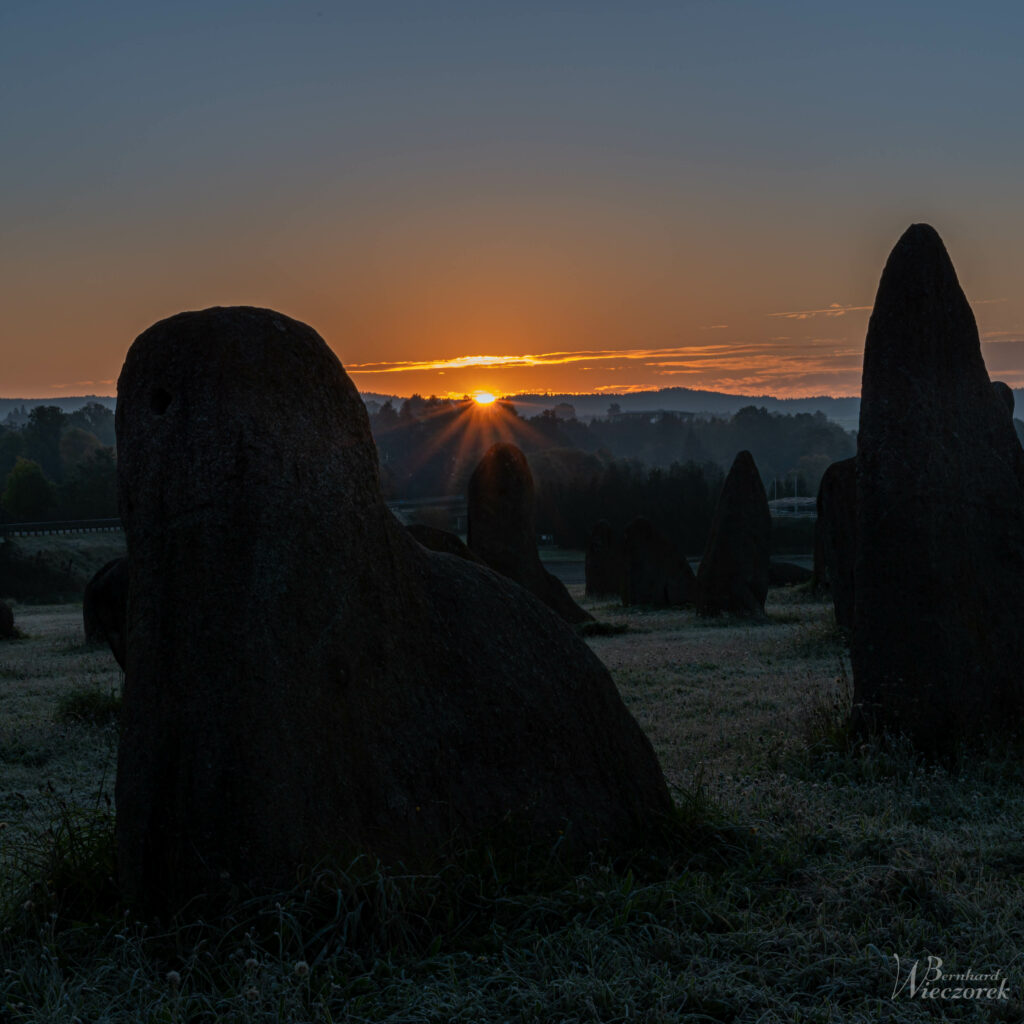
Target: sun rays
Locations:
point(461, 431)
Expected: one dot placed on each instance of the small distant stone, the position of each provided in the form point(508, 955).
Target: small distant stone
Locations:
point(655, 572)
point(7, 628)
point(837, 529)
point(733, 574)
point(105, 608)
point(604, 561)
point(502, 528)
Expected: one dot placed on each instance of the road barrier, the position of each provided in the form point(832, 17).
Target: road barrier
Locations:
point(60, 526)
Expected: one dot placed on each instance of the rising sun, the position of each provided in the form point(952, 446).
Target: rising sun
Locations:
point(484, 398)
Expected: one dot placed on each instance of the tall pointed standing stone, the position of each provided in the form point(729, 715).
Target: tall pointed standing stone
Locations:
point(502, 528)
point(733, 574)
point(938, 649)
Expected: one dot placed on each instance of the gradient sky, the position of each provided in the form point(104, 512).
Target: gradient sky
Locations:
point(562, 196)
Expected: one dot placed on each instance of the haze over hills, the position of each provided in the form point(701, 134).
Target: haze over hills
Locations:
point(66, 403)
point(844, 411)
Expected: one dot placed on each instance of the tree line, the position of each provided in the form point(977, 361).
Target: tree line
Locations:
point(668, 466)
point(423, 452)
point(57, 465)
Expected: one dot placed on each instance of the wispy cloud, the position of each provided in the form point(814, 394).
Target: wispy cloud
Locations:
point(516, 361)
point(1002, 337)
point(806, 367)
point(79, 384)
point(832, 311)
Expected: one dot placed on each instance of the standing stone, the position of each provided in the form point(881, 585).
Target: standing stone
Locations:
point(656, 574)
point(502, 528)
point(837, 522)
point(937, 647)
point(733, 575)
point(303, 678)
point(105, 607)
point(604, 561)
point(7, 630)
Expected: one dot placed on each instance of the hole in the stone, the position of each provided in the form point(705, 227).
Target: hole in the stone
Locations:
point(159, 401)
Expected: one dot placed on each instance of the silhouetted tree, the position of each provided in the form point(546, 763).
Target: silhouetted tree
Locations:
point(28, 495)
point(41, 439)
point(90, 491)
point(96, 419)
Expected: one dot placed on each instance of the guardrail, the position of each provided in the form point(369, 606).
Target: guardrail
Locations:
point(60, 526)
point(793, 508)
point(100, 525)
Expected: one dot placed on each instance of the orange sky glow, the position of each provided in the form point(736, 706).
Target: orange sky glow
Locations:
point(523, 198)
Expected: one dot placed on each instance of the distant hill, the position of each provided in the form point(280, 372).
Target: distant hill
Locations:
point(67, 403)
point(844, 411)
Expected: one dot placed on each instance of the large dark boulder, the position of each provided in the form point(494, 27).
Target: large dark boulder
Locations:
point(656, 574)
point(502, 528)
point(303, 678)
point(837, 529)
point(939, 583)
point(733, 574)
point(7, 629)
point(105, 607)
point(604, 561)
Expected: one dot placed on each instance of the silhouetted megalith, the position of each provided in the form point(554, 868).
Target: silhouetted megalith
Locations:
point(939, 583)
point(7, 629)
point(655, 573)
point(733, 574)
point(604, 561)
point(105, 607)
point(502, 527)
point(302, 676)
point(837, 523)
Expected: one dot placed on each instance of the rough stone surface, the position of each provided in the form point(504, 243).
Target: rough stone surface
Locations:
point(303, 678)
point(435, 539)
point(105, 607)
point(502, 528)
point(939, 581)
point(837, 522)
point(733, 574)
point(604, 561)
point(7, 629)
point(656, 573)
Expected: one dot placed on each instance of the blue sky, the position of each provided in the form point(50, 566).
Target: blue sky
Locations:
point(594, 195)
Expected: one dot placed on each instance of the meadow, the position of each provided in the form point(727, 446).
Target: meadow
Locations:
point(800, 864)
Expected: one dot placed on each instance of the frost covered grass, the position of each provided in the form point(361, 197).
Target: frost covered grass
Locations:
point(800, 862)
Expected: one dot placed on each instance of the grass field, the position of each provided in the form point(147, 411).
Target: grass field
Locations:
point(797, 870)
